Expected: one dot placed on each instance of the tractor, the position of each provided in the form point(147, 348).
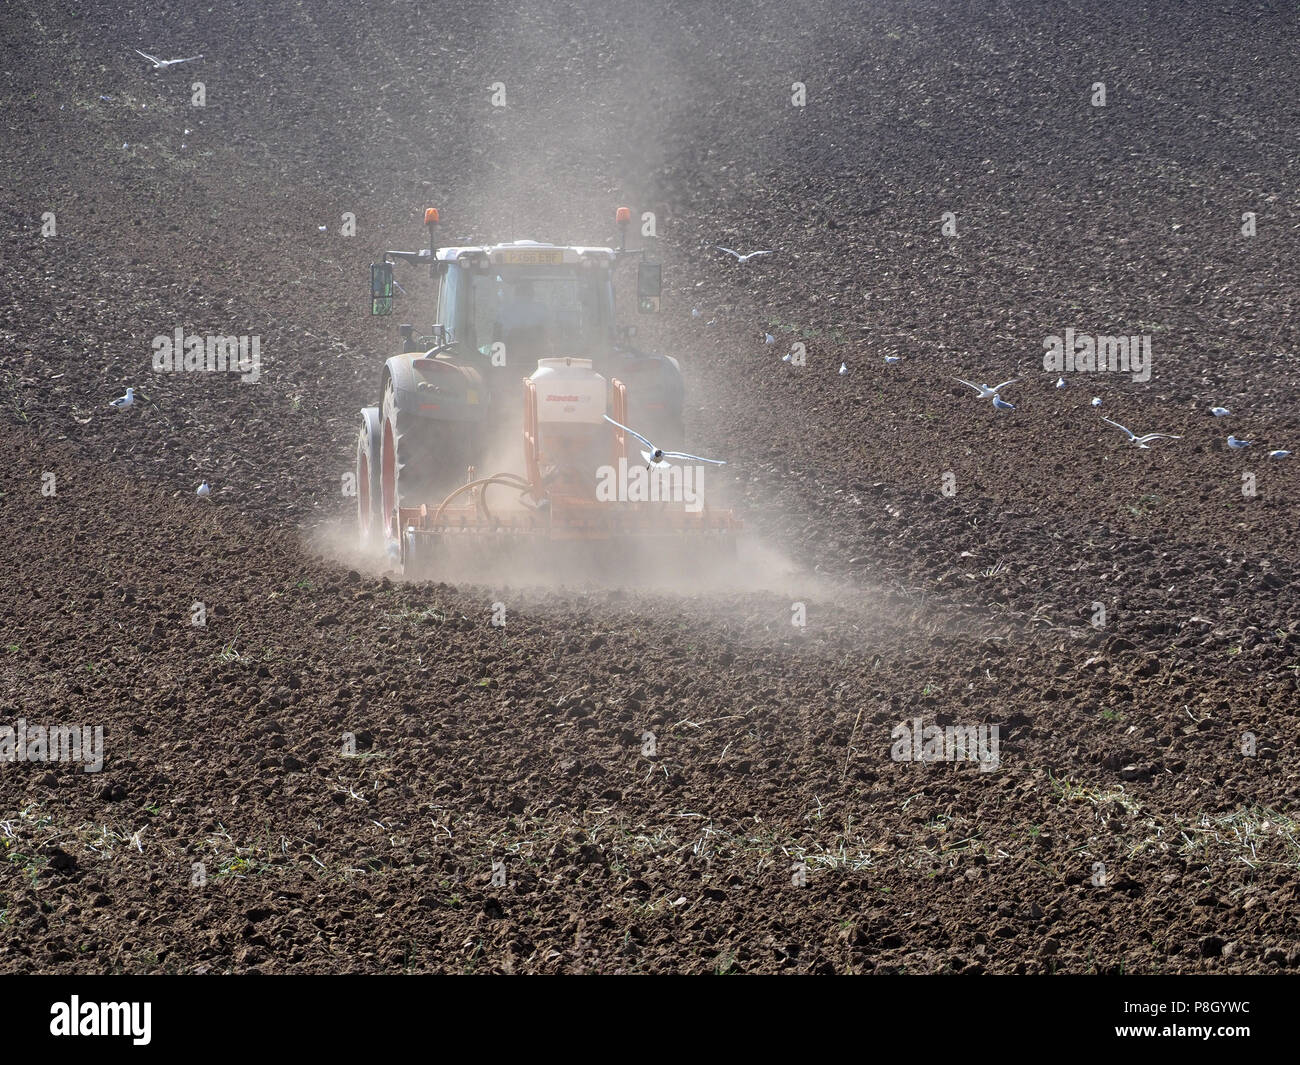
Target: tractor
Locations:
point(451, 401)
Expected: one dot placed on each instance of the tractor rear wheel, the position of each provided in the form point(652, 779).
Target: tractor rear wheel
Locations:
point(673, 433)
point(423, 459)
point(369, 514)
point(667, 430)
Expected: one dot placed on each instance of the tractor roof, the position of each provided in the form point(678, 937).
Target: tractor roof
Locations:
point(530, 253)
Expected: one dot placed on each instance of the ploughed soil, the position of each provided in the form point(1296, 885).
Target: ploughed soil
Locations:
point(342, 771)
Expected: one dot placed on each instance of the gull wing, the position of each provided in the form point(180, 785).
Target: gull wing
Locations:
point(187, 59)
point(1005, 384)
point(151, 58)
point(1157, 436)
point(971, 384)
point(632, 431)
point(693, 458)
point(1128, 432)
point(728, 251)
point(756, 254)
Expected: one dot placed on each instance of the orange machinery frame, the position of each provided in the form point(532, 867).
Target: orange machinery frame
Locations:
point(560, 516)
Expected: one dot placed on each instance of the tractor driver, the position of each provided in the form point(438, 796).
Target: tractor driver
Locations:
point(522, 322)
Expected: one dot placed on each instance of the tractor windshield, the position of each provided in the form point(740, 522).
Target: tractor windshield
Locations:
point(541, 313)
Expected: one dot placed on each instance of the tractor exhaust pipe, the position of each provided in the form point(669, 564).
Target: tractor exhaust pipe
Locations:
point(622, 215)
point(431, 220)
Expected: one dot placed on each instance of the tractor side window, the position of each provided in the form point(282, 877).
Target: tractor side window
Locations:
point(449, 295)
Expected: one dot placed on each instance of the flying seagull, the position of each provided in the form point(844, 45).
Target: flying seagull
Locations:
point(984, 390)
point(1141, 441)
point(159, 64)
point(1233, 442)
point(122, 402)
point(657, 456)
point(742, 258)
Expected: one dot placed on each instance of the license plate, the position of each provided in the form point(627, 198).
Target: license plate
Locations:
point(533, 257)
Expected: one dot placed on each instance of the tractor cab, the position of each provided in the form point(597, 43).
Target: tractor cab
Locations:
point(513, 304)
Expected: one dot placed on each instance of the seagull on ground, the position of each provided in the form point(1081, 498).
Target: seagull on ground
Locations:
point(203, 490)
point(1143, 442)
point(769, 339)
point(1233, 442)
point(843, 369)
point(122, 402)
point(1096, 401)
point(1220, 412)
point(159, 64)
point(891, 359)
point(984, 390)
point(657, 456)
point(1060, 382)
point(1279, 454)
point(1002, 404)
point(742, 259)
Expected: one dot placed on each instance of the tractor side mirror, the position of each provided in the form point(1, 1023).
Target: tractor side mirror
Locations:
point(649, 286)
point(381, 288)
